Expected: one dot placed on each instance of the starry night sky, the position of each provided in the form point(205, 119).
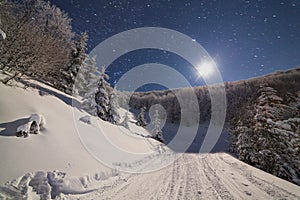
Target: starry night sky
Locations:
point(245, 38)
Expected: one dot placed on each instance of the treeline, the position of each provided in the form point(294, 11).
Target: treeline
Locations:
point(240, 95)
point(40, 43)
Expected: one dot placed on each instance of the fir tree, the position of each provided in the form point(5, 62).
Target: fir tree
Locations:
point(271, 141)
point(157, 132)
point(125, 121)
point(141, 118)
point(115, 107)
point(78, 54)
point(87, 77)
point(89, 104)
point(102, 98)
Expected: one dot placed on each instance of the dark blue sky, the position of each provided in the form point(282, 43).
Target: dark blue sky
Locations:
point(246, 38)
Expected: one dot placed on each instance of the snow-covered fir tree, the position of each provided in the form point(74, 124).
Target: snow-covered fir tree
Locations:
point(245, 143)
point(157, 132)
point(89, 104)
point(87, 77)
point(102, 98)
point(114, 102)
point(78, 54)
point(271, 141)
point(125, 121)
point(141, 118)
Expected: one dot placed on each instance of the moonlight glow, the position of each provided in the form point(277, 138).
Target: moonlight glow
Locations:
point(207, 68)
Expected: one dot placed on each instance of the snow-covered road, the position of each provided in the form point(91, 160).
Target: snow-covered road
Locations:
point(210, 176)
point(213, 176)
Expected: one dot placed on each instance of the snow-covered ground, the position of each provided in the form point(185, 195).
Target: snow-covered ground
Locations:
point(206, 176)
point(58, 146)
point(55, 164)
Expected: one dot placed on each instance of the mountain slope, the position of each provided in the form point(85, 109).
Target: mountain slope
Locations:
point(54, 164)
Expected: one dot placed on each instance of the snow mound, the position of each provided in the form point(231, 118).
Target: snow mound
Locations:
point(34, 124)
point(53, 185)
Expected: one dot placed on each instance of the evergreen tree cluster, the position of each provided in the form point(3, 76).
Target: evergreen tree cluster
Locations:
point(270, 139)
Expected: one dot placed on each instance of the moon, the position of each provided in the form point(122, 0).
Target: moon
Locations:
point(206, 68)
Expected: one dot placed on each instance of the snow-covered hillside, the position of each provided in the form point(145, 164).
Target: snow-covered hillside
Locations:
point(55, 164)
point(59, 145)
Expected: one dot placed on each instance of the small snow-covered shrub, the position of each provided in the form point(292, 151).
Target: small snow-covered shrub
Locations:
point(34, 124)
point(23, 130)
point(38, 121)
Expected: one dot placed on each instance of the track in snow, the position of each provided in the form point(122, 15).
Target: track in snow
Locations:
point(210, 176)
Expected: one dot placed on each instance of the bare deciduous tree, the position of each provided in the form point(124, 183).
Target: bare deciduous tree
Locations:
point(39, 40)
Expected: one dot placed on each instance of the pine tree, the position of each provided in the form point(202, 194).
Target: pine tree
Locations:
point(270, 141)
point(245, 144)
point(141, 118)
point(157, 132)
point(78, 54)
point(125, 121)
point(89, 104)
point(87, 77)
point(115, 107)
point(102, 98)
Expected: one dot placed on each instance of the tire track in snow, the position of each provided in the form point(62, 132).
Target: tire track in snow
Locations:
point(235, 182)
point(215, 180)
point(181, 178)
point(268, 187)
point(162, 189)
point(192, 176)
point(193, 185)
point(174, 179)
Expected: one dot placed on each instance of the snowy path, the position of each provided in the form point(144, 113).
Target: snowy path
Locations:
point(211, 176)
point(214, 176)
